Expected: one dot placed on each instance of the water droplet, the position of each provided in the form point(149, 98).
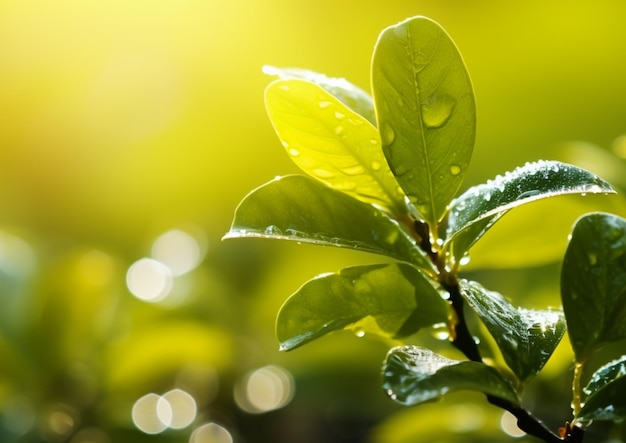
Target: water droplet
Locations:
point(353, 170)
point(465, 259)
point(284, 143)
point(375, 166)
point(339, 115)
point(440, 331)
point(387, 134)
point(273, 230)
point(374, 141)
point(323, 173)
point(455, 169)
point(593, 259)
point(437, 110)
point(340, 130)
point(293, 152)
point(344, 185)
point(284, 87)
point(324, 104)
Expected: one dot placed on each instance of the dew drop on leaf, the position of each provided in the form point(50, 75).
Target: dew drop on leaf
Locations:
point(339, 130)
point(324, 104)
point(293, 152)
point(437, 110)
point(323, 173)
point(387, 134)
point(339, 115)
point(455, 169)
point(375, 166)
point(353, 170)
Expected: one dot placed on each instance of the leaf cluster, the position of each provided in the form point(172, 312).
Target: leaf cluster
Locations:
point(383, 175)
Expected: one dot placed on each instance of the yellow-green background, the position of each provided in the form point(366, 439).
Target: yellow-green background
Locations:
point(122, 119)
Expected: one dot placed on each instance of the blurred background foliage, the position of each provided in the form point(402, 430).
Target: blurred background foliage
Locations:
point(130, 131)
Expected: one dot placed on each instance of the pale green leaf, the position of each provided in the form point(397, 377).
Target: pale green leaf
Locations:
point(526, 337)
point(331, 143)
point(482, 205)
point(397, 297)
point(351, 95)
point(593, 283)
point(413, 375)
point(426, 112)
point(304, 210)
point(605, 375)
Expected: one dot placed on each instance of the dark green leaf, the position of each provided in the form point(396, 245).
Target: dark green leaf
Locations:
point(609, 403)
point(413, 375)
point(593, 283)
point(526, 337)
point(304, 210)
point(426, 112)
point(392, 300)
point(332, 144)
point(605, 375)
point(352, 96)
point(484, 204)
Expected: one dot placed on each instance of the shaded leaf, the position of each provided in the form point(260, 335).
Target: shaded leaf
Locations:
point(526, 337)
point(397, 297)
point(481, 205)
point(349, 94)
point(304, 210)
point(332, 143)
point(606, 374)
point(413, 375)
point(608, 403)
point(593, 283)
point(426, 112)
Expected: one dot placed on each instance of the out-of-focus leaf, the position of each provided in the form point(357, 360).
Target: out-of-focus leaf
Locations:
point(349, 94)
point(413, 375)
point(608, 403)
point(593, 283)
point(605, 375)
point(484, 203)
point(526, 337)
point(304, 210)
point(531, 235)
point(397, 297)
point(331, 143)
point(426, 112)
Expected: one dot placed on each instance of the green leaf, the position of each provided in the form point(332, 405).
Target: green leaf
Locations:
point(605, 375)
point(304, 210)
point(426, 112)
point(608, 403)
point(474, 212)
point(526, 337)
point(331, 143)
point(351, 95)
point(593, 283)
point(413, 375)
point(397, 297)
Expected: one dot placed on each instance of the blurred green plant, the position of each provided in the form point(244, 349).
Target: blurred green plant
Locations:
point(386, 171)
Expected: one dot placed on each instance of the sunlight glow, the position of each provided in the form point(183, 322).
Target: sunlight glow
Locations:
point(264, 390)
point(211, 433)
point(177, 250)
point(149, 280)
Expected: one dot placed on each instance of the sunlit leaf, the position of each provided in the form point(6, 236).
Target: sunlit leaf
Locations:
point(593, 283)
point(351, 95)
point(526, 337)
point(608, 403)
point(426, 112)
point(413, 375)
point(483, 204)
point(332, 143)
point(304, 210)
point(397, 297)
point(605, 375)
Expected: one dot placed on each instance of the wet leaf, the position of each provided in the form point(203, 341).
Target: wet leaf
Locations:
point(593, 283)
point(331, 143)
point(301, 209)
point(608, 403)
point(392, 300)
point(526, 337)
point(606, 374)
point(349, 94)
point(426, 112)
point(413, 375)
point(482, 205)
